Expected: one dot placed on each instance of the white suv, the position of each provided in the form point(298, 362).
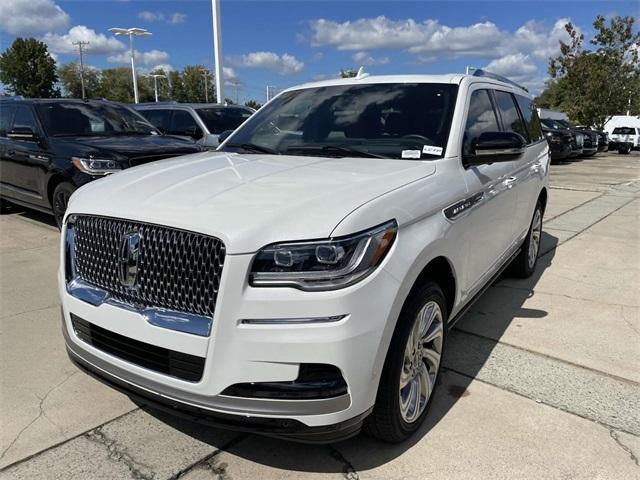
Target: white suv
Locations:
point(300, 281)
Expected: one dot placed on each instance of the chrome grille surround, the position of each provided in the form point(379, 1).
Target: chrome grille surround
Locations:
point(178, 270)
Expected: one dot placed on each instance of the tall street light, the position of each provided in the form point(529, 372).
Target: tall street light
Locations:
point(131, 32)
point(155, 82)
point(217, 49)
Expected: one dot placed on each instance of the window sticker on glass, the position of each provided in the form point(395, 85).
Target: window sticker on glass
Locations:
point(431, 150)
point(411, 153)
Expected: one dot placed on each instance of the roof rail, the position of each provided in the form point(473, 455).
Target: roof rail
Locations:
point(478, 72)
point(165, 102)
point(11, 97)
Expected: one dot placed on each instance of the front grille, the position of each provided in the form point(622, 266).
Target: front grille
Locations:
point(176, 269)
point(162, 360)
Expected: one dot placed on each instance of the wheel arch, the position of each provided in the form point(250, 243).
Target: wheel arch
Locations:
point(542, 198)
point(55, 180)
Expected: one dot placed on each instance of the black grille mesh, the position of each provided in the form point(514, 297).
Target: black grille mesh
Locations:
point(177, 270)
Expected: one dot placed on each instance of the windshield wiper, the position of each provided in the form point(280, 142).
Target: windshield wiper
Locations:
point(252, 147)
point(351, 152)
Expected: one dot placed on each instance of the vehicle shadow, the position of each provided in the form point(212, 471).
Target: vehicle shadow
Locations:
point(33, 215)
point(499, 307)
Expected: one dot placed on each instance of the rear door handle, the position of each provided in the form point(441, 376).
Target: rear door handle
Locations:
point(509, 182)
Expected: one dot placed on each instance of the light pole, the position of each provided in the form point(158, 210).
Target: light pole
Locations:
point(81, 45)
point(155, 82)
point(205, 72)
point(131, 32)
point(217, 49)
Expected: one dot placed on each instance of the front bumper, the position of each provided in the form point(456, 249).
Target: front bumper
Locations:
point(236, 352)
point(285, 428)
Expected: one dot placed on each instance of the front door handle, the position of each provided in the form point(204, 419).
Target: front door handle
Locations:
point(509, 182)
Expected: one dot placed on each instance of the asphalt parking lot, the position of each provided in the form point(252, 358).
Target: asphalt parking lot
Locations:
point(542, 377)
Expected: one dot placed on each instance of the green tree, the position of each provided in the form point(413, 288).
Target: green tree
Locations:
point(27, 69)
point(117, 84)
point(348, 73)
point(592, 85)
point(253, 104)
point(69, 74)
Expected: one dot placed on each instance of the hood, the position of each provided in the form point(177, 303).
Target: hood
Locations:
point(128, 145)
point(248, 201)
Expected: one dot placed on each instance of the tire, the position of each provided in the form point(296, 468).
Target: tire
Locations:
point(60, 199)
point(624, 150)
point(393, 420)
point(524, 264)
point(5, 207)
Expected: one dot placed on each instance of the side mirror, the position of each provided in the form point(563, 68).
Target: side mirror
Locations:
point(23, 133)
point(492, 147)
point(210, 140)
point(224, 135)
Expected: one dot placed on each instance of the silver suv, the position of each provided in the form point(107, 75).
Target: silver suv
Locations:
point(203, 122)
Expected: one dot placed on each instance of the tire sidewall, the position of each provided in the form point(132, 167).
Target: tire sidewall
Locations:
point(66, 188)
point(428, 292)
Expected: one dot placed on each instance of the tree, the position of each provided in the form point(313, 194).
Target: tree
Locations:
point(252, 104)
point(27, 69)
point(593, 85)
point(69, 74)
point(348, 73)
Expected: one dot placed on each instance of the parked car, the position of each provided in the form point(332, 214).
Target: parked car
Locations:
point(560, 143)
point(202, 122)
point(590, 143)
point(300, 282)
point(603, 141)
point(625, 139)
point(50, 147)
point(576, 136)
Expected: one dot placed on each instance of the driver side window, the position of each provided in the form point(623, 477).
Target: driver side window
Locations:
point(481, 118)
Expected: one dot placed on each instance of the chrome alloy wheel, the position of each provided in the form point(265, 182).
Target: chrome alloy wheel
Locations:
point(421, 361)
point(536, 233)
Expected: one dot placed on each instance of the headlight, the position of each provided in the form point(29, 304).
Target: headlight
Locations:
point(324, 264)
point(95, 166)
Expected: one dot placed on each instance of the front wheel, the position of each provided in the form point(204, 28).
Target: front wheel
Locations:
point(412, 367)
point(60, 200)
point(525, 263)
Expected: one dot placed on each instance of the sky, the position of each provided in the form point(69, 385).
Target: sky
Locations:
point(285, 43)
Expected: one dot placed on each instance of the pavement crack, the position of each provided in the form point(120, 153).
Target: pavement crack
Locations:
point(210, 462)
point(348, 470)
point(41, 413)
point(118, 453)
point(616, 438)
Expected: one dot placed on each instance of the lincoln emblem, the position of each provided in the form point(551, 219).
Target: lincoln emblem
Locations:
point(128, 258)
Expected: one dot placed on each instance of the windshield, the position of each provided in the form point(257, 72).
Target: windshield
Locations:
point(624, 131)
point(555, 124)
point(221, 119)
point(388, 120)
point(73, 119)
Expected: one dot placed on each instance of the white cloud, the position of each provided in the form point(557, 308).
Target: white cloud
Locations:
point(430, 38)
point(284, 64)
point(99, 43)
point(149, 16)
point(363, 58)
point(157, 16)
point(516, 66)
point(20, 17)
point(152, 57)
point(177, 18)
point(230, 76)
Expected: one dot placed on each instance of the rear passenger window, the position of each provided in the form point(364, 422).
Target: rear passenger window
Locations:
point(6, 118)
point(531, 120)
point(158, 118)
point(511, 120)
point(24, 119)
point(481, 118)
point(183, 123)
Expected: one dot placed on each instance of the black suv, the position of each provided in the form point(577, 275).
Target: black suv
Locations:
point(50, 147)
